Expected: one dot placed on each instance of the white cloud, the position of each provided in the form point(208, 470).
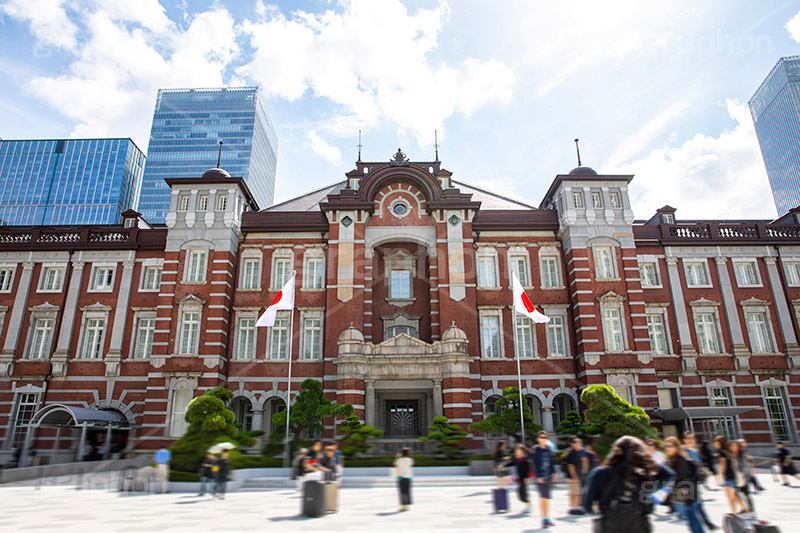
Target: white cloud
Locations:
point(329, 153)
point(706, 177)
point(47, 19)
point(373, 60)
point(793, 27)
point(633, 144)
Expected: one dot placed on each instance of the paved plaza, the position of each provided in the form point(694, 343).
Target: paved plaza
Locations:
point(457, 508)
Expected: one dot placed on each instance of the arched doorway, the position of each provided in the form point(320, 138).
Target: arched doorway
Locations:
point(272, 407)
point(562, 404)
point(536, 408)
point(243, 411)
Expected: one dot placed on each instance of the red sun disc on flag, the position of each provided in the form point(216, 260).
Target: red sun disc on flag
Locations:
point(527, 303)
point(277, 298)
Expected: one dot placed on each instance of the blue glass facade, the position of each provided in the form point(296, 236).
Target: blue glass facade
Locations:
point(775, 108)
point(68, 181)
point(184, 142)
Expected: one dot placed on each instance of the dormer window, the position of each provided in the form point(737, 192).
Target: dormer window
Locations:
point(667, 218)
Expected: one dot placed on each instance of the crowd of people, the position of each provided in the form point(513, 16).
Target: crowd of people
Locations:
point(636, 477)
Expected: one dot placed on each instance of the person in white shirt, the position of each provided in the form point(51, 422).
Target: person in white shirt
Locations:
point(403, 470)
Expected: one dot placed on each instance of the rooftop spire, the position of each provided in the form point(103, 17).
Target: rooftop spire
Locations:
point(359, 146)
point(219, 157)
point(436, 143)
point(578, 149)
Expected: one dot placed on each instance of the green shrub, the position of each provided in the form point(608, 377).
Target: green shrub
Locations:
point(177, 475)
point(355, 435)
point(252, 461)
point(447, 436)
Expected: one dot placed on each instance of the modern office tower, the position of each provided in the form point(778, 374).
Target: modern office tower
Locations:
point(68, 181)
point(775, 107)
point(184, 142)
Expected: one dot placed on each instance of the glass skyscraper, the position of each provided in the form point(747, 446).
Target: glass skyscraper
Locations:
point(184, 142)
point(68, 181)
point(776, 114)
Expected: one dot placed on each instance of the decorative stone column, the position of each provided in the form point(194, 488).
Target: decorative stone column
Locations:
point(784, 314)
point(739, 348)
point(9, 353)
point(369, 402)
point(547, 419)
point(438, 407)
point(258, 419)
point(114, 356)
point(61, 355)
point(687, 350)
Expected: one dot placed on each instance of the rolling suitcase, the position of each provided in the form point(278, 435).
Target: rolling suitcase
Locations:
point(331, 497)
point(500, 497)
point(313, 499)
point(758, 527)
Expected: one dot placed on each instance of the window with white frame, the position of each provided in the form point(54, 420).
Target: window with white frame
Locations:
point(399, 268)
point(279, 336)
point(657, 331)
point(400, 323)
point(491, 338)
point(151, 278)
point(6, 275)
point(313, 273)
point(548, 266)
point(747, 274)
point(648, 274)
point(41, 338)
point(202, 202)
point(524, 345)
point(577, 200)
point(487, 271)
point(52, 279)
point(145, 333)
point(93, 334)
point(597, 200)
point(189, 332)
point(624, 392)
point(312, 336)
point(775, 402)
point(180, 402)
point(246, 345)
point(518, 263)
point(793, 273)
point(281, 271)
point(707, 329)
point(697, 274)
point(556, 336)
point(251, 273)
point(103, 278)
point(222, 202)
point(604, 262)
point(27, 403)
point(400, 284)
point(759, 331)
point(614, 200)
point(720, 397)
point(667, 218)
point(613, 331)
point(183, 203)
point(196, 266)
point(394, 331)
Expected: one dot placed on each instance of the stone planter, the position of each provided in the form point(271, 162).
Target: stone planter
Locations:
point(481, 467)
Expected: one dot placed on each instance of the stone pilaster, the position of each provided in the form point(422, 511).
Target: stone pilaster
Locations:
point(784, 314)
point(9, 353)
point(114, 355)
point(687, 350)
point(739, 348)
point(61, 355)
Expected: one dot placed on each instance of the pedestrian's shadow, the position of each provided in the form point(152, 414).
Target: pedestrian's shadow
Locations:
point(517, 516)
point(389, 513)
point(293, 518)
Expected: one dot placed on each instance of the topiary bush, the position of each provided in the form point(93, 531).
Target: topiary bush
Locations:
point(447, 435)
point(355, 435)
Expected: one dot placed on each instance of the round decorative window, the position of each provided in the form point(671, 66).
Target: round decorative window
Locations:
point(399, 209)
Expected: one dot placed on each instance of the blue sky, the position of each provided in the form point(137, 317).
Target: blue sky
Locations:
point(656, 90)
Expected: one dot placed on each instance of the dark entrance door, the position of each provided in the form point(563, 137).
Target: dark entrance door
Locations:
point(402, 419)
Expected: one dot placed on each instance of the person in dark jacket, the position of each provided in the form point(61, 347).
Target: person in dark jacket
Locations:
point(728, 466)
point(223, 473)
point(522, 470)
point(207, 472)
point(544, 472)
point(501, 457)
point(622, 487)
point(685, 493)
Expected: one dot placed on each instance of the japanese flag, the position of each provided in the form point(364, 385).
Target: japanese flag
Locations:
point(523, 305)
point(284, 301)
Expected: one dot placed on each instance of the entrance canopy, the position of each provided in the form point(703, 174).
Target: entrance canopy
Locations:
point(68, 416)
point(696, 413)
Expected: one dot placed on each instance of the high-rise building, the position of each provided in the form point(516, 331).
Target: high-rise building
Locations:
point(68, 181)
point(184, 141)
point(775, 107)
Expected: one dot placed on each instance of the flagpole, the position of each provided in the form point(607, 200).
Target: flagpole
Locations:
point(287, 461)
point(519, 373)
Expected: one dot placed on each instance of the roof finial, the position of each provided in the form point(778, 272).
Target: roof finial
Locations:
point(219, 157)
point(359, 146)
point(578, 149)
point(436, 143)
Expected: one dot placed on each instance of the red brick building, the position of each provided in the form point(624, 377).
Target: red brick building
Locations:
point(403, 308)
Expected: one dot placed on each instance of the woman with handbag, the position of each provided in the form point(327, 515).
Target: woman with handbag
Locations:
point(685, 493)
point(522, 475)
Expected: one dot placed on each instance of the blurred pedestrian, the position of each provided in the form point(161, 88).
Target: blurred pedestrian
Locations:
point(577, 467)
point(327, 464)
point(501, 457)
point(223, 474)
point(163, 457)
point(544, 472)
point(727, 474)
point(297, 467)
point(655, 451)
point(685, 494)
point(339, 460)
point(403, 466)
point(783, 458)
point(708, 457)
point(689, 443)
point(522, 474)
point(207, 472)
point(753, 478)
point(311, 468)
point(743, 473)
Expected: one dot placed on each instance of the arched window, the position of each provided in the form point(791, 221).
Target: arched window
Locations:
point(536, 408)
point(397, 330)
point(271, 408)
point(490, 407)
point(562, 404)
point(243, 411)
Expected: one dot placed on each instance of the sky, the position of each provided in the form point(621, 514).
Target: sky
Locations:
point(658, 90)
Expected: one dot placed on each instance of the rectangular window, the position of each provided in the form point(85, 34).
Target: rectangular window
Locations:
point(614, 200)
point(577, 200)
point(26, 408)
point(251, 270)
point(145, 331)
point(624, 392)
point(486, 272)
point(183, 203)
point(490, 336)
point(612, 328)
point(596, 200)
point(720, 397)
point(776, 411)
point(746, 274)
point(52, 278)
point(196, 269)
point(706, 326)
point(151, 279)
point(758, 330)
point(524, 345)
point(401, 284)
point(314, 273)
point(658, 334)
point(312, 338)
point(556, 341)
point(793, 273)
point(222, 202)
point(696, 274)
point(103, 277)
point(519, 265)
point(668, 219)
point(93, 338)
point(40, 341)
point(202, 202)
point(190, 329)
point(247, 339)
point(5, 279)
point(603, 262)
point(648, 274)
point(180, 401)
point(281, 272)
point(279, 337)
point(549, 268)
point(667, 398)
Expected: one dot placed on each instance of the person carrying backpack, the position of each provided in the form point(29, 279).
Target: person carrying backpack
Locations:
point(622, 487)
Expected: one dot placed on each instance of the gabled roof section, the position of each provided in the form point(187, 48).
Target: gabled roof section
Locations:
point(490, 200)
